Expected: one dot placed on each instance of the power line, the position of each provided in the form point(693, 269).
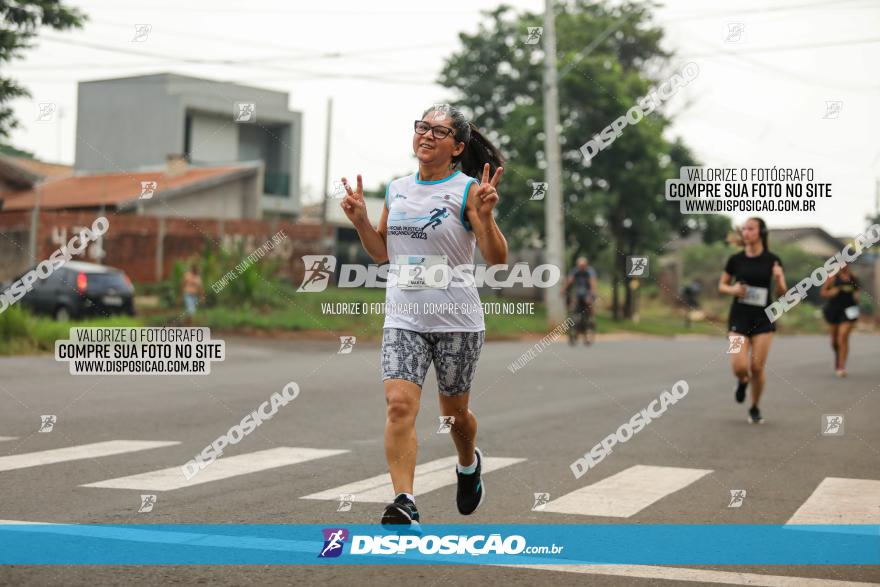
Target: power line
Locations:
point(779, 70)
point(788, 47)
point(250, 62)
point(805, 80)
point(305, 53)
point(259, 62)
point(177, 6)
point(786, 8)
point(143, 53)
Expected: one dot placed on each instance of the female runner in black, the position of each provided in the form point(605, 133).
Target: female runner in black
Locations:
point(748, 277)
point(841, 312)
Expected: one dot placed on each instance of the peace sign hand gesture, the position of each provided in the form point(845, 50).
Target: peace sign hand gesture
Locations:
point(487, 197)
point(353, 204)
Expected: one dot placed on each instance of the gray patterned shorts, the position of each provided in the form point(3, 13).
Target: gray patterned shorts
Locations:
point(407, 354)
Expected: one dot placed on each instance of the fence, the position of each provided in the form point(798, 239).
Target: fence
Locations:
point(146, 247)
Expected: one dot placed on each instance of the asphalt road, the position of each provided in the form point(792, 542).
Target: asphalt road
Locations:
point(550, 412)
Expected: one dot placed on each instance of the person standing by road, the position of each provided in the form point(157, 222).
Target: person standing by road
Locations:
point(193, 290)
point(431, 218)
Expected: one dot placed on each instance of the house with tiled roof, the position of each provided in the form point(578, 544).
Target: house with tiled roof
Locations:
point(136, 122)
point(177, 189)
point(811, 239)
point(170, 145)
point(18, 172)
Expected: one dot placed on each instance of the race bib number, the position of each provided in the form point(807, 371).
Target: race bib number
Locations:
point(755, 296)
point(422, 272)
point(852, 313)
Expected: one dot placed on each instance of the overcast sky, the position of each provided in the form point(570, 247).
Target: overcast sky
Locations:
point(757, 102)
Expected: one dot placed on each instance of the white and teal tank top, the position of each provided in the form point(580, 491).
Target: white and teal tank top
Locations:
point(426, 219)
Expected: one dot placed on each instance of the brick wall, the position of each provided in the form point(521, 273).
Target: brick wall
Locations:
point(146, 247)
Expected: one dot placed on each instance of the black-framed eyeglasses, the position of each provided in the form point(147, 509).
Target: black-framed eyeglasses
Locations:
point(439, 132)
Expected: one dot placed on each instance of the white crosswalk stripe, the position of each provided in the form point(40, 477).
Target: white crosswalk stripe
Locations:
point(79, 452)
point(627, 493)
point(173, 477)
point(429, 476)
point(841, 501)
point(834, 501)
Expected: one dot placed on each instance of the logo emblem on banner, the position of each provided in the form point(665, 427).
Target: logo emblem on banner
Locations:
point(334, 538)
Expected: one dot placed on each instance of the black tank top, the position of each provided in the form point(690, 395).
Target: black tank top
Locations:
point(845, 298)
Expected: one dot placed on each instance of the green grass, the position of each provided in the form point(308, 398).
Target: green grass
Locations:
point(24, 333)
point(802, 319)
point(21, 332)
point(303, 312)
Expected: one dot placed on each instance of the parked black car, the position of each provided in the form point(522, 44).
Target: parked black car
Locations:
point(80, 289)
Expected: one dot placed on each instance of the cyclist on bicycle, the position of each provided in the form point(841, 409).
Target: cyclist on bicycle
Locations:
point(582, 283)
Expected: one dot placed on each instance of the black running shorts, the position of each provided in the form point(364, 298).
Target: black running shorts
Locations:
point(749, 320)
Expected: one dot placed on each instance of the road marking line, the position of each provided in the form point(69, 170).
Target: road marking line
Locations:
point(695, 575)
point(841, 501)
point(173, 478)
point(76, 453)
point(429, 476)
point(626, 493)
point(2, 438)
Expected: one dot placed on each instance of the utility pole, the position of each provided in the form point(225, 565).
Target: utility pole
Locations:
point(877, 198)
point(34, 243)
point(554, 229)
point(59, 128)
point(326, 191)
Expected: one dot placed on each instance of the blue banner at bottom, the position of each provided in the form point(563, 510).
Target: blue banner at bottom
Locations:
point(309, 544)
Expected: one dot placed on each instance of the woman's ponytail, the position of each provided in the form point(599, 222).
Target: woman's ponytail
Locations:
point(478, 150)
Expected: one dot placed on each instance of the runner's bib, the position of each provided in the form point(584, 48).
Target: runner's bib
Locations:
point(422, 272)
point(755, 296)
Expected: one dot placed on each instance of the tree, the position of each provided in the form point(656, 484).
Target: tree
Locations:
point(716, 228)
point(608, 57)
point(14, 152)
point(22, 20)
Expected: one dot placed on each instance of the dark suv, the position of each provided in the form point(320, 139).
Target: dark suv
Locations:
point(79, 289)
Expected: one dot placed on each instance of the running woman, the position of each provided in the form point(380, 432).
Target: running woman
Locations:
point(841, 312)
point(451, 154)
point(754, 270)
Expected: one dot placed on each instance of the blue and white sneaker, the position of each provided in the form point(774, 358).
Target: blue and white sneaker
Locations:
point(470, 488)
point(401, 512)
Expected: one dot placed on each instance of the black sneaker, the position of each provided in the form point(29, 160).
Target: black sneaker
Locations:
point(741, 391)
point(755, 416)
point(470, 488)
point(402, 511)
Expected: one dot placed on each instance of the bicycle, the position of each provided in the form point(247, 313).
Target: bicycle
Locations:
point(585, 321)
